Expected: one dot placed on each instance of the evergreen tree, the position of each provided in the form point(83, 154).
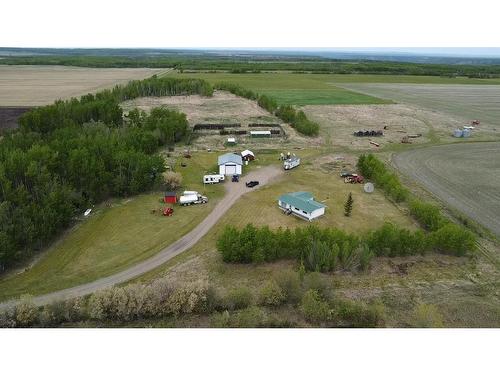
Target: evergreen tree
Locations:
point(348, 205)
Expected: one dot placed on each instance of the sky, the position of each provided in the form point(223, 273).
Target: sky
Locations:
point(395, 24)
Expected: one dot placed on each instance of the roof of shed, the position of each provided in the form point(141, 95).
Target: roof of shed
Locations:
point(303, 200)
point(230, 158)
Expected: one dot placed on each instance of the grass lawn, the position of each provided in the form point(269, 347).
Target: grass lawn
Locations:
point(113, 238)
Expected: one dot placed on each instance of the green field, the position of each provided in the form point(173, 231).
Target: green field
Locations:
point(307, 89)
point(116, 237)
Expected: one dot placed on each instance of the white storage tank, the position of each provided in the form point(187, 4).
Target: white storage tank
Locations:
point(457, 133)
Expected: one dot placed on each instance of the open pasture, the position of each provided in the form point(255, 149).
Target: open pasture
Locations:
point(39, 85)
point(288, 88)
point(464, 176)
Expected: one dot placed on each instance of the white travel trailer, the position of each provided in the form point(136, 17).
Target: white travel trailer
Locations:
point(213, 178)
point(291, 163)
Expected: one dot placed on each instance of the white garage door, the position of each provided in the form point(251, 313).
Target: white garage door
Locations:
point(230, 169)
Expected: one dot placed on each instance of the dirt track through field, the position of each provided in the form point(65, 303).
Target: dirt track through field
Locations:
point(465, 176)
point(233, 192)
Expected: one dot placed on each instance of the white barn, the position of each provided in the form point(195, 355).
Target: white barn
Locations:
point(230, 164)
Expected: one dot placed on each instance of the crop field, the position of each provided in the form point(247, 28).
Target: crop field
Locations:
point(116, 235)
point(27, 86)
point(222, 108)
point(464, 176)
point(461, 102)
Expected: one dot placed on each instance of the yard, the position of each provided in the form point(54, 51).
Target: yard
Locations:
point(116, 235)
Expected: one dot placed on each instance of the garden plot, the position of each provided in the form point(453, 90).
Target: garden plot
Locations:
point(461, 102)
point(339, 122)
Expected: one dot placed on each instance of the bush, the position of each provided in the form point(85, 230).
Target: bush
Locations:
point(356, 315)
point(173, 180)
point(239, 298)
point(271, 294)
point(316, 281)
point(26, 312)
point(187, 299)
point(313, 308)
point(453, 239)
point(427, 215)
point(8, 318)
point(289, 282)
point(427, 316)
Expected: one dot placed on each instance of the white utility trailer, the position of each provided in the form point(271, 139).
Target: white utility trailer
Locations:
point(291, 163)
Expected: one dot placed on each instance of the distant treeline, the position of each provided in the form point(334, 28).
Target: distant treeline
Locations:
point(71, 154)
point(255, 65)
point(296, 118)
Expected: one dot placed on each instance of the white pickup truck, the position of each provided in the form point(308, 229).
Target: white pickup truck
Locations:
point(192, 197)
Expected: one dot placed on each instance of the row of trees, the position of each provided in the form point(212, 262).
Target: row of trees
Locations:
point(327, 249)
point(296, 118)
point(428, 215)
point(488, 68)
point(71, 154)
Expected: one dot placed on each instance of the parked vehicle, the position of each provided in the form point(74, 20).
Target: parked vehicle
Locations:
point(346, 174)
point(251, 184)
point(291, 163)
point(192, 197)
point(213, 178)
point(168, 211)
point(235, 178)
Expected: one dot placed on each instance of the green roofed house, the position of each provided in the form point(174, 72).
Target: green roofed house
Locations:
point(301, 204)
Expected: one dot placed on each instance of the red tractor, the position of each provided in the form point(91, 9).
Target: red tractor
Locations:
point(168, 211)
point(475, 122)
point(354, 179)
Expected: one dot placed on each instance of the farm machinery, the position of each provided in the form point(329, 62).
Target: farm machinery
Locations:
point(353, 179)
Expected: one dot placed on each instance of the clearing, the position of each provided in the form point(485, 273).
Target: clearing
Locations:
point(464, 176)
point(339, 122)
point(223, 108)
point(27, 85)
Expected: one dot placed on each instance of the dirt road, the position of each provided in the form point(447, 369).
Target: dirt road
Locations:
point(233, 192)
point(466, 176)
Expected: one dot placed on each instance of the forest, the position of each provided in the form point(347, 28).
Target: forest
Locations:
point(72, 154)
point(255, 64)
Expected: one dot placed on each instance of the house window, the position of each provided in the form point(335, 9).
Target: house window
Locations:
point(304, 212)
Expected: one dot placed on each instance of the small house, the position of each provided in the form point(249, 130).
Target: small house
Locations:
point(301, 204)
point(230, 164)
point(247, 155)
point(170, 197)
point(260, 133)
point(231, 141)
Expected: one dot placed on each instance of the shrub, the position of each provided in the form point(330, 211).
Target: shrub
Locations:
point(271, 294)
point(26, 312)
point(427, 316)
point(427, 214)
point(8, 318)
point(316, 281)
point(289, 282)
point(453, 239)
point(357, 315)
point(173, 180)
point(313, 308)
point(187, 299)
point(239, 298)
point(249, 318)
